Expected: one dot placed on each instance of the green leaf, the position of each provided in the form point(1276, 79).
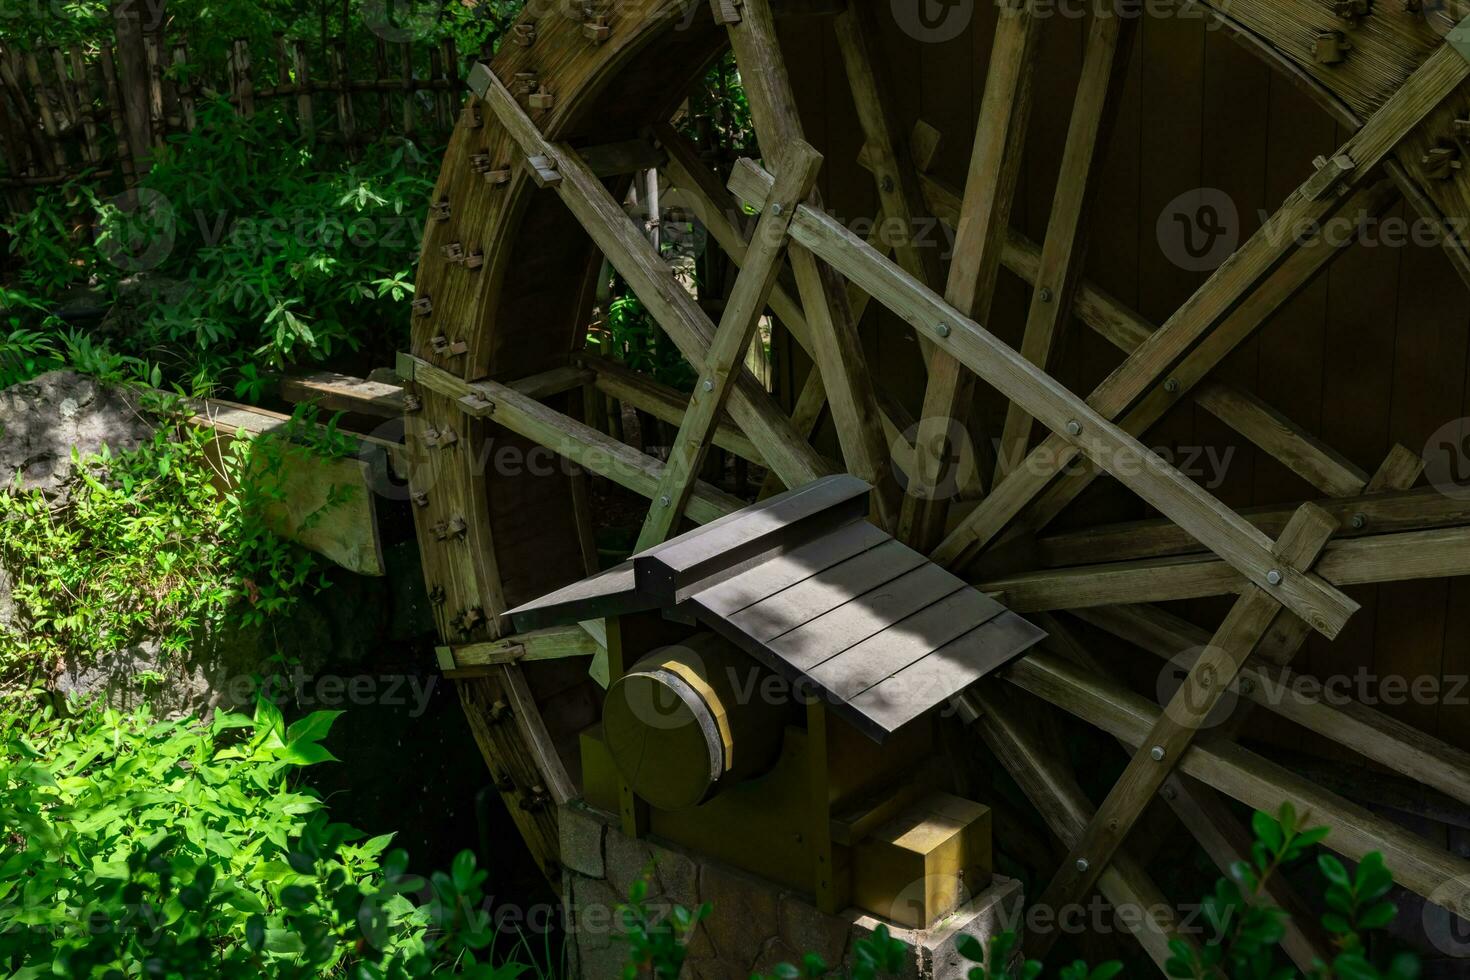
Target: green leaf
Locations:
point(970, 948)
point(1333, 870)
point(1268, 831)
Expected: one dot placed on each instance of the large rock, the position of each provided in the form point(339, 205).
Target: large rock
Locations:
point(44, 419)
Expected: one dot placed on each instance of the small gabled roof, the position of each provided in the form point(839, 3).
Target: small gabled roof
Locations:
point(804, 584)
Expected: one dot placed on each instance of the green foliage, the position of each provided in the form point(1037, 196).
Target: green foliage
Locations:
point(158, 542)
point(656, 946)
point(250, 249)
point(182, 850)
point(639, 342)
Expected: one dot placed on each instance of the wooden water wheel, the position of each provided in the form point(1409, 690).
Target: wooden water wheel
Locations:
point(528, 205)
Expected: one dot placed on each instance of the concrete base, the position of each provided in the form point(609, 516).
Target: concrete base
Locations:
point(754, 924)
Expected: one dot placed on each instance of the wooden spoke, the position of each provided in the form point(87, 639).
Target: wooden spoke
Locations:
point(799, 165)
point(1207, 682)
point(1371, 514)
point(984, 220)
point(901, 200)
point(836, 347)
point(1104, 72)
point(1087, 432)
point(1235, 281)
point(563, 435)
point(648, 275)
point(1418, 865)
point(1056, 795)
point(1301, 452)
point(1370, 733)
point(1218, 831)
point(662, 402)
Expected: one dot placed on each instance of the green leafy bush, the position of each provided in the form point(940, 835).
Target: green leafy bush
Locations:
point(160, 542)
point(185, 850)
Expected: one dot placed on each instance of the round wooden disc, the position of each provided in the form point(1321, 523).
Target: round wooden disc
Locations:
point(663, 738)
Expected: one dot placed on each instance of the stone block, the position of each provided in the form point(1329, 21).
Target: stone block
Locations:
point(582, 831)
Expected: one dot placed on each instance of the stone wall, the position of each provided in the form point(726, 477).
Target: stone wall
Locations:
point(754, 924)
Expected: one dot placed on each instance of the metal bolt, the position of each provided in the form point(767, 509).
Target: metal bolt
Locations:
point(709, 385)
point(1247, 686)
point(942, 329)
point(1360, 521)
point(1156, 753)
point(776, 209)
point(1172, 386)
point(664, 501)
point(1046, 294)
point(887, 185)
point(1169, 793)
point(1274, 577)
point(1074, 427)
point(1082, 864)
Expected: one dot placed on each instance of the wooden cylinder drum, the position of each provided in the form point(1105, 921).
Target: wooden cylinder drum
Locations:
point(690, 720)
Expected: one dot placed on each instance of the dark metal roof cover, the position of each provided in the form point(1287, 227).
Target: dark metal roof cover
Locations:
point(805, 585)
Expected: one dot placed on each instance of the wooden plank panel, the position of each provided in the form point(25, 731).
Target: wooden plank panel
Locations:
point(866, 616)
point(826, 590)
point(734, 594)
point(900, 699)
point(854, 670)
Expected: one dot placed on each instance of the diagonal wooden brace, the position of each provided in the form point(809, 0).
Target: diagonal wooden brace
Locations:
point(672, 306)
point(1081, 427)
point(1208, 680)
point(797, 174)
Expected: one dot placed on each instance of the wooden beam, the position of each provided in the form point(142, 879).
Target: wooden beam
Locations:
point(556, 643)
point(799, 165)
point(836, 346)
point(982, 227)
point(1060, 801)
point(1086, 431)
point(1105, 64)
point(661, 401)
point(1369, 733)
point(341, 393)
point(563, 435)
point(1207, 818)
point(1417, 864)
point(1400, 557)
point(1233, 284)
point(670, 304)
point(1371, 514)
point(1208, 680)
point(1287, 441)
point(889, 157)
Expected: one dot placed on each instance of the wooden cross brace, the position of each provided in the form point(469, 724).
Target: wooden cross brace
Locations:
point(1207, 682)
point(796, 175)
